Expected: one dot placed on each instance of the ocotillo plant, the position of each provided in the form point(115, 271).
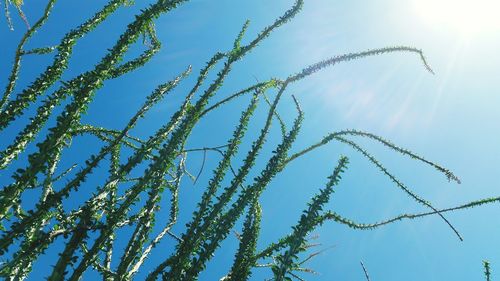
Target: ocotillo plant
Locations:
point(143, 171)
point(487, 273)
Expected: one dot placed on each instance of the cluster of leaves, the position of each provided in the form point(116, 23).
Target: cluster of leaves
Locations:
point(89, 230)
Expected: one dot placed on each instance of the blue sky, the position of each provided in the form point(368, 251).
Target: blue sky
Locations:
point(450, 117)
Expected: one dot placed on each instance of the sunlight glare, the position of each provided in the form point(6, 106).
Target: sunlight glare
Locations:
point(468, 17)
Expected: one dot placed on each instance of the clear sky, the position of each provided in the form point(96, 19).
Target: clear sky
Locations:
point(450, 117)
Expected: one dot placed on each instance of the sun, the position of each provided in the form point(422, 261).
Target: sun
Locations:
point(468, 17)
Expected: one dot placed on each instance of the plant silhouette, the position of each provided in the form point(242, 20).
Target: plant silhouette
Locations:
point(142, 171)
